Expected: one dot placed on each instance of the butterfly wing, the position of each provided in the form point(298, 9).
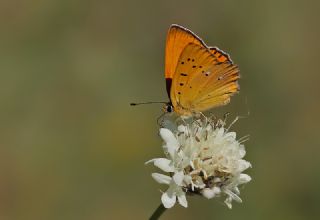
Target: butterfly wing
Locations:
point(204, 78)
point(220, 55)
point(178, 38)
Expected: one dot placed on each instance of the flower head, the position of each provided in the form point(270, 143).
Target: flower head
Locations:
point(204, 158)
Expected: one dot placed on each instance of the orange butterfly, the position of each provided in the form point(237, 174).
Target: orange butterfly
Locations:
point(198, 77)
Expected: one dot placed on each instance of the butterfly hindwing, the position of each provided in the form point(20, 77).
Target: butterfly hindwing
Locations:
point(201, 81)
point(193, 60)
point(220, 55)
point(219, 87)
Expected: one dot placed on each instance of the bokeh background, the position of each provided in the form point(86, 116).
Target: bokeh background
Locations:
point(71, 147)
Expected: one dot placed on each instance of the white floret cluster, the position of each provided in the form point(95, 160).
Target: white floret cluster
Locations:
point(202, 157)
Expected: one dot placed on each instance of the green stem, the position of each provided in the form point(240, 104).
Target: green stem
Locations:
point(158, 212)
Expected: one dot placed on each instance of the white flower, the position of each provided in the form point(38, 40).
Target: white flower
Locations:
point(203, 158)
point(175, 190)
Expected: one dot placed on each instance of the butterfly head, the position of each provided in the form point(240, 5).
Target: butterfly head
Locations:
point(167, 108)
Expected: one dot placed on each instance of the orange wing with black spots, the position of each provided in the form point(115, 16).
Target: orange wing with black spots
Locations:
point(178, 38)
point(202, 78)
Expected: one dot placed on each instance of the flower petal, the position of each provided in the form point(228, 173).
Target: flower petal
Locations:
point(182, 128)
point(187, 179)
point(162, 163)
point(160, 178)
point(232, 135)
point(228, 202)
point(220, 132)
point(216, 190)
point(208, 193)
point(244, 178)
point(183, 200)
point(168, 201)
point(233, 196)
point(178, 178)
point(243, 165)
point(172, 143)
point(236, 190)
point(242, 151)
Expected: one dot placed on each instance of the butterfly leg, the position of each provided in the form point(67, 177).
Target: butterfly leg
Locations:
point(160, 120)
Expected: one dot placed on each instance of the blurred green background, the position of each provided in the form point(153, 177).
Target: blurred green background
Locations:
point(71, 147)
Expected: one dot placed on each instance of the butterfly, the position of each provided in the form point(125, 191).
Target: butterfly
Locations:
point(198, 77)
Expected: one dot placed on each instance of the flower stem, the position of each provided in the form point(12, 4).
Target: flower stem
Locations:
point(158, 212)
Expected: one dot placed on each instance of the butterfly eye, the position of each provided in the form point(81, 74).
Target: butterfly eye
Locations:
point(169, 108)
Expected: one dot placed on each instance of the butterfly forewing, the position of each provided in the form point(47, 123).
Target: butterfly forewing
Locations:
point(177, 39)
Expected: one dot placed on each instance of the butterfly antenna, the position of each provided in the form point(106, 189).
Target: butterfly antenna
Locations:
point(145, 103)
